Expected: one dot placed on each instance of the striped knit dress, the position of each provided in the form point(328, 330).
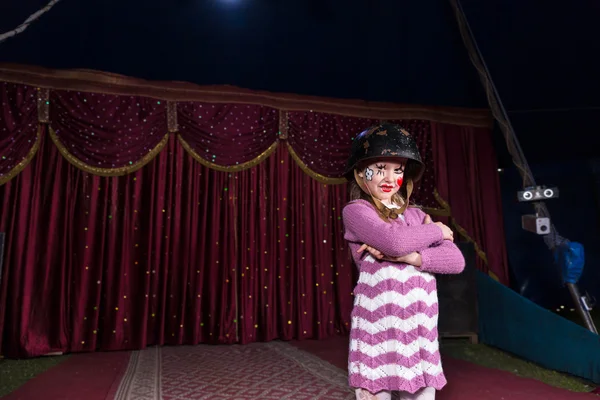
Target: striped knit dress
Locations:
point(393, 338)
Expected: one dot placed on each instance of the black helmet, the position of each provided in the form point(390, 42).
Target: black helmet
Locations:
point(386, 140)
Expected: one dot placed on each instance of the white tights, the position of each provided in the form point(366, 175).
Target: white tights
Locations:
point(423, 394)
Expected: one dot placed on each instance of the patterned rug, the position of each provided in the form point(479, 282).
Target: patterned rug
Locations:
point(274, 370)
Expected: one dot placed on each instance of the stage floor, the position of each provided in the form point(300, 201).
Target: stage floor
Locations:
point(276, 370)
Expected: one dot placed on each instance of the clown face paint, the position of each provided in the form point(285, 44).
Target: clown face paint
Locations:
point(384, 178)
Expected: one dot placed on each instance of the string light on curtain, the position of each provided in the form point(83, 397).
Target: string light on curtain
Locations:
point(28, 21)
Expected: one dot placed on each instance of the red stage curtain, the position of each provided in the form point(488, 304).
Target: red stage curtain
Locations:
point(231, 231)
point(18, 128)
point(466, 174)
point(173, 253)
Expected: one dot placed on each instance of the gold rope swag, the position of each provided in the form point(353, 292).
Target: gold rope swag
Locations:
point(120, 171)
point(25, 161)
point(232, 168)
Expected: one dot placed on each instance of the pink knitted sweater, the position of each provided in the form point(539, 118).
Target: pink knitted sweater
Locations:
point(393, 338)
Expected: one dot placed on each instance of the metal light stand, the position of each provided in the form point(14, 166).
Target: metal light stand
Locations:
point(581, 302)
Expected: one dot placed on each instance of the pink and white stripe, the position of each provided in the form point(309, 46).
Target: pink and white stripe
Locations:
point(394, 331)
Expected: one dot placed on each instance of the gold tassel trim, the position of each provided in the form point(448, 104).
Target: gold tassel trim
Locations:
point(283, 125)
point(459, 228)
point(120, 171)
point(20, 166)
point(318, 177)
point(172, 124)
point(43, 105)
point(233, 168)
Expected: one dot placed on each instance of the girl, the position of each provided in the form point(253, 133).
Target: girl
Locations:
point(393, 338)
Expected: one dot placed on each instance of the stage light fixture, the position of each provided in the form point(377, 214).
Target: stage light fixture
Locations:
point(537, 193)
point(535, 224)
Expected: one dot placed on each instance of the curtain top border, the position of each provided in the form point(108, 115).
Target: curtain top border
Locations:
point(85, 80)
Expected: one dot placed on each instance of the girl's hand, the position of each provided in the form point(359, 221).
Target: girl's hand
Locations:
point(412, 258)
point(374, 252)
point(427, 219)
point(446, 232)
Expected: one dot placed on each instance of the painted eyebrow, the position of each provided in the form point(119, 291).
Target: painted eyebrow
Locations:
point(401, 168)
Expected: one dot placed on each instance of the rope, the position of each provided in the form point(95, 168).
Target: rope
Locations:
point(553, 239)
point(28, 21)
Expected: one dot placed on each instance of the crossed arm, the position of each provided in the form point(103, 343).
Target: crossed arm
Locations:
point(429, 246)
point(413, 258)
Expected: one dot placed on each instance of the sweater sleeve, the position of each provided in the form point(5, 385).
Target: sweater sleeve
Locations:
point(363, 225)
point(421, 216)
point(445, 258)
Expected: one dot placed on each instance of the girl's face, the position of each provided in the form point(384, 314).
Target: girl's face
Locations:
point(383, 178)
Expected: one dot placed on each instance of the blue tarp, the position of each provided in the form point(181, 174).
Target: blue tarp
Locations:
point(514, 324)
point(570, 257)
